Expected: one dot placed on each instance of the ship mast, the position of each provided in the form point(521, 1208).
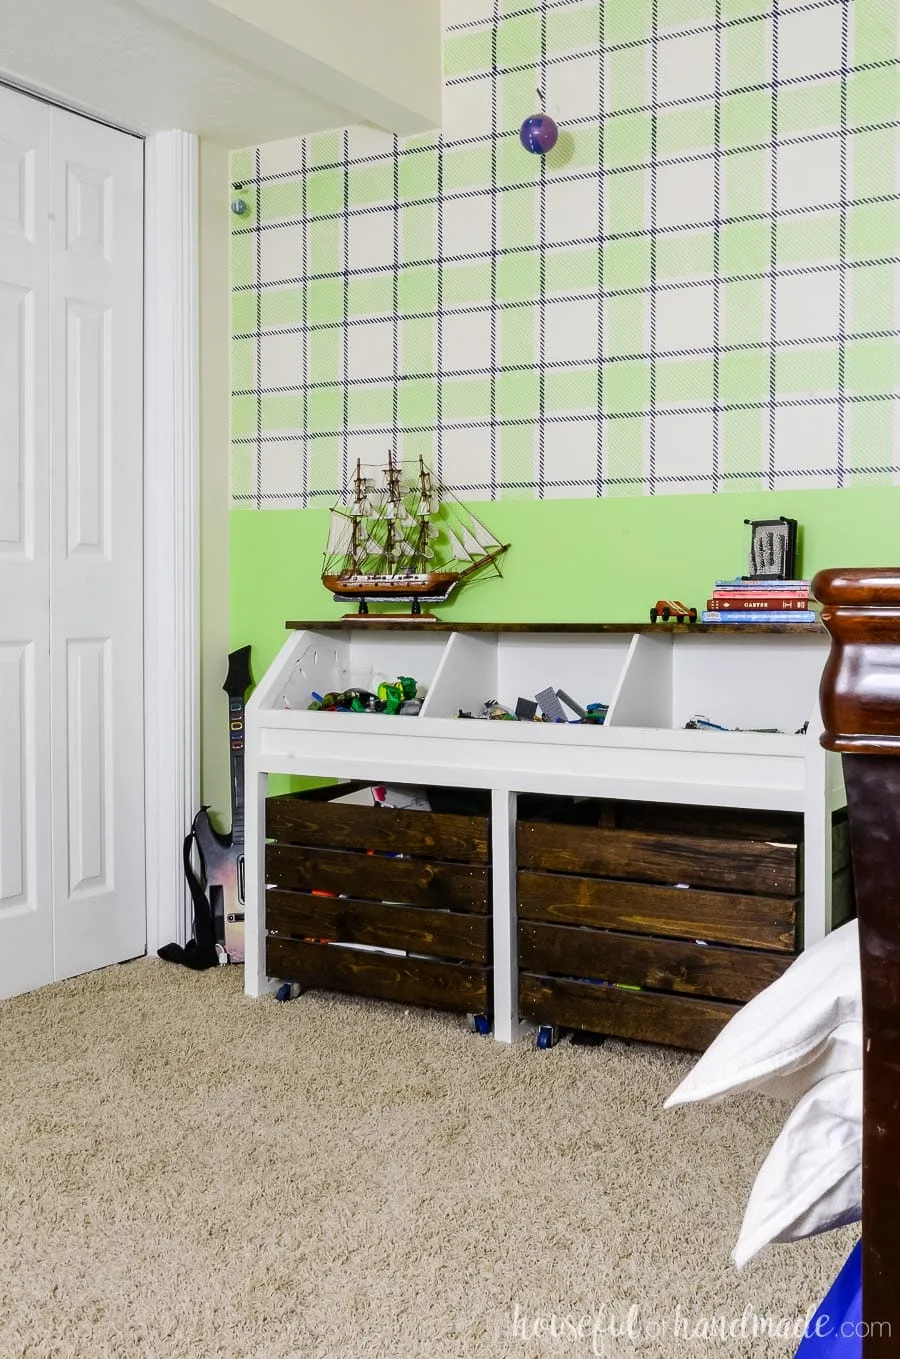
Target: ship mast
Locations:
point(423, 514)
point(356, 516)
point(394, 504)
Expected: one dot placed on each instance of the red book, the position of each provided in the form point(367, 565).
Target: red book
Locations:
point(771, 599)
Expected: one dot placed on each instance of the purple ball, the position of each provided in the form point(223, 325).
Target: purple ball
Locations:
point(538, 134)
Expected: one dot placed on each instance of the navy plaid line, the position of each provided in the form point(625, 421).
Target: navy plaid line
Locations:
point(683, 158)
point(662, 286)
point(258, 256)
point(512, 14)
point(601, 271)
point(439, 314)
point(638, 233)
point(582, 417)
point(842, 247)
point(773, 257)
point(468, 24)
point(395, 320)
point(542, 275)
point(654, 185)
point(495, 117)
point(563, 57)
point(664, 479)
point(717, 247)
point(562, 365)
point(304, 470)
point(345, 422)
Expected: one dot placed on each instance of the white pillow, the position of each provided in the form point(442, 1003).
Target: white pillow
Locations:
point(811, 1180)
point(789, 1029)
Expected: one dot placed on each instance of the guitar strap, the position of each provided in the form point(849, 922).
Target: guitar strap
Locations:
point(200, 952)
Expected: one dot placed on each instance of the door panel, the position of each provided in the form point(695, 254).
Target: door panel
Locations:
point(96, 628)
point(26, 920)
point(88, 382)
point(16, 420)
point(88, 760)
point(16, 774)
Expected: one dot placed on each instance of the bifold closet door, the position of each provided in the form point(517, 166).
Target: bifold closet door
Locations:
point(26, 904)
point(96, 631)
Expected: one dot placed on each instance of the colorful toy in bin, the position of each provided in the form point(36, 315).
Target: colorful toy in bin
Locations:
point(393, 699)
point(667, 609)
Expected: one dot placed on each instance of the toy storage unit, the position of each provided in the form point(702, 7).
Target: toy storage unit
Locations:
point(335, 883)
point(657, 922)
point(775, 793)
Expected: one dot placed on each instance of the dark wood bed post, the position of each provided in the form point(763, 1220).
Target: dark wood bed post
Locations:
point(860, 699)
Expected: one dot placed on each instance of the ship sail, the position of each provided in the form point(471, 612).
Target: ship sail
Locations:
point(470, 542)
point(340, 535)
point(458, 552)
point(486, 540)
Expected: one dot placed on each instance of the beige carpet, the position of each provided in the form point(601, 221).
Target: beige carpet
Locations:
point(184, 1172)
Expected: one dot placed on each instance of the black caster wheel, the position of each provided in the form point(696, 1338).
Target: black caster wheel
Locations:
point(481, 1024)
point(287, 991)
point(666, 615)
point(653, 615)
point(547, 1036)
point(692, 615)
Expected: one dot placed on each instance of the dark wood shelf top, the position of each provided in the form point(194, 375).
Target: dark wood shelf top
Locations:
point(388, 624)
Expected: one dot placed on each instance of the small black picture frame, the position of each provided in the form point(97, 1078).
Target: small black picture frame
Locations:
point(773, 549)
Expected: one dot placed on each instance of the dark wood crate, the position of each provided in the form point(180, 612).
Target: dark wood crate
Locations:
point(642, 908)
point(448, 934)
point(597, 901)
point(298, 819)
point(410, 882)
point(649, 1016)
point(334, 878)
point(658, 964)
point(410, 981)
point(727, 864)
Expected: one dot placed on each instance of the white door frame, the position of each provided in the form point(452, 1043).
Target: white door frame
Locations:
point(171, 525)
point(171, 698)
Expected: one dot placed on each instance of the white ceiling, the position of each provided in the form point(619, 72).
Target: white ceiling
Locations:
point(140, 71)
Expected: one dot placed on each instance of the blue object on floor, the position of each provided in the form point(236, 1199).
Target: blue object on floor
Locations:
point(835, 1330)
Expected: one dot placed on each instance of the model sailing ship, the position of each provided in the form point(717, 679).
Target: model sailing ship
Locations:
point(404, 538)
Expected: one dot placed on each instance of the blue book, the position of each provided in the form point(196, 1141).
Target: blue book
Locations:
point(765, 584)
point(758, 616)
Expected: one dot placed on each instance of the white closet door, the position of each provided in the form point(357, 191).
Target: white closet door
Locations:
point(26, 953)
point(96, 515)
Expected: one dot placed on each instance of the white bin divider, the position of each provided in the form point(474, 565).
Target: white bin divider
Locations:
point(644, 695)
point(466, 676)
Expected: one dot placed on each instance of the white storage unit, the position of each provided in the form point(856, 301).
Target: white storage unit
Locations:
point(654, 679)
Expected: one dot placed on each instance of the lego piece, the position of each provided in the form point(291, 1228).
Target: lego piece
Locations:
point(570, 703)
point(526, 710)
point(550, 706)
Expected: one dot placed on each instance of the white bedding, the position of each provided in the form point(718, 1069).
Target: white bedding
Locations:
point(800, 1039)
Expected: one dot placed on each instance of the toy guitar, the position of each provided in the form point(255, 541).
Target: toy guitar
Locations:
point(223, 855)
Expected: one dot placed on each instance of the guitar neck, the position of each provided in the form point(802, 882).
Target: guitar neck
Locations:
point(236, 743)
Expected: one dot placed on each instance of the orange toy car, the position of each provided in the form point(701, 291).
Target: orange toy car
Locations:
point(667, 609)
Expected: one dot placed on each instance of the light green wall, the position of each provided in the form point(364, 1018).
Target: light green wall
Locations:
point(570, 560)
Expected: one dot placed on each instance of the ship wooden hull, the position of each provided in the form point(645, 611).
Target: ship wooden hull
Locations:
point(435, 585)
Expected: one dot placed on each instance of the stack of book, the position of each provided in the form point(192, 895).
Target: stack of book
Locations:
point(759, 601)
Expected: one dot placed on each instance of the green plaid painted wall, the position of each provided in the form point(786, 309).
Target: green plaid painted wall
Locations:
point(696, 291)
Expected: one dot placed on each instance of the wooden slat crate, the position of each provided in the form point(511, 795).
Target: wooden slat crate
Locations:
point(648, 1016)
point(334, 879)
point(692, 911)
